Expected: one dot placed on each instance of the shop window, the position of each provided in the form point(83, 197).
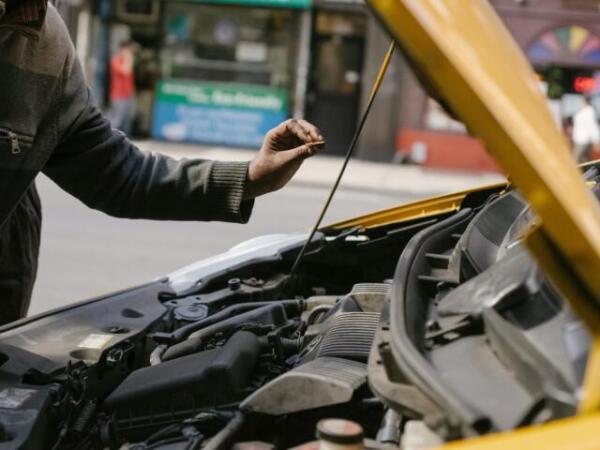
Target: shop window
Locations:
point(231, 44)
point(138, 11)
point(567, 59)
point(566, 86)
point(228, 71)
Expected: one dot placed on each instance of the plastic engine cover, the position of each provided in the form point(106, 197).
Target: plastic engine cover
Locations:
point(183, 385)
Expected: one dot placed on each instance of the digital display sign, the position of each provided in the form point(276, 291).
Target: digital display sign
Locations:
point(584, 85)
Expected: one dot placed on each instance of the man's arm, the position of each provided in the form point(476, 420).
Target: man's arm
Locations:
point(102, 168)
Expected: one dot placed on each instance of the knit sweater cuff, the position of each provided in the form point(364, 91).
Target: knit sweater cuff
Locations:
point(226, 187)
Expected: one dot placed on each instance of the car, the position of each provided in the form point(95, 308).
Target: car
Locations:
point(468, 320)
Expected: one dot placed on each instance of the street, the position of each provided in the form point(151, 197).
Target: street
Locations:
point(86, 253)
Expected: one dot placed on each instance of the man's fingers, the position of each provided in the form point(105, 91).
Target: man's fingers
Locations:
point(314, 147)
point(300, 129)
point(309, 130)
point(312, 130)
point(282, 153)
point(295, 128)
point(278, 131)
point(298, 153)
point(295, 138)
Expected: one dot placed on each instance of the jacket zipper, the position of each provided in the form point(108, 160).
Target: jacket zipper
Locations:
point(15, 145)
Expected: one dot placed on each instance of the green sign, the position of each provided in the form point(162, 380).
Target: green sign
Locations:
point(214, 113)
point(295, 4)
point(223, 95)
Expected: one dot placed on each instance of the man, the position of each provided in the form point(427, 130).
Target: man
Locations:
point(49, 123)
point(122, 88)
point(586, 132)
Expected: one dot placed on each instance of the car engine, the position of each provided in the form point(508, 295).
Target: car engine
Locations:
point(409, 334)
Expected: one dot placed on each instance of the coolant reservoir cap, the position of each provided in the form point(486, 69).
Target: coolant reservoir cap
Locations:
point(194, 311)
point(339, 431)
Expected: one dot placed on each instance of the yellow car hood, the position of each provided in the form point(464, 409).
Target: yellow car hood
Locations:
point(463, 52)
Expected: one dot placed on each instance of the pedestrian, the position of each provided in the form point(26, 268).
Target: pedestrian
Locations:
point(122, 88)
point(586, 132)
point(50, 123)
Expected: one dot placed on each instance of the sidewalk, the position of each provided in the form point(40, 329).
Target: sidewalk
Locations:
point(321, 171)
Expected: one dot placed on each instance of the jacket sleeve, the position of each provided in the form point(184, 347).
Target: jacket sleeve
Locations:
point(103, 169)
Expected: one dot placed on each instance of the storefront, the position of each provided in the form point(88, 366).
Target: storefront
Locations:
point(561, 39)
point(567, 59)
point(229, 69)
point(218, 72)
point(223, 72)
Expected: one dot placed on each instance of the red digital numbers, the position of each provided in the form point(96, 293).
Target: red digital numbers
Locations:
point(584, 84)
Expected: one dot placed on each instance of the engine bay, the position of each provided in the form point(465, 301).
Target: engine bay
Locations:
point(422, 331)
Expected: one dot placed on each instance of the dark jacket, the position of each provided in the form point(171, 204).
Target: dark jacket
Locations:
point(50, 123)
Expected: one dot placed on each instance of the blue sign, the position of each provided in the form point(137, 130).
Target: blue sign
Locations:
point(207, 113)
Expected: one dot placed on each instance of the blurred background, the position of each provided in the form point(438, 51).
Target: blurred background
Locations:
point(211, 77)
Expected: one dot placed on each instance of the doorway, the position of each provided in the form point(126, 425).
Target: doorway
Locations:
point(333, 99)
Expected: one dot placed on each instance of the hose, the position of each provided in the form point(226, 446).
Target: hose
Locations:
point(224, 438)
point(156, 355)
point(183, 332)
point(312, 317)
point(266, 313)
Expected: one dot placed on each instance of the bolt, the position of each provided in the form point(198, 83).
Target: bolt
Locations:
point(234, 284)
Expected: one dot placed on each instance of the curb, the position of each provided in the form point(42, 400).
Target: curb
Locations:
point(355, 187)
point(417, 183)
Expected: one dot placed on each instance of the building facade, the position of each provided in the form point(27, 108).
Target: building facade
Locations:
point(561, 39)
point(225, 71)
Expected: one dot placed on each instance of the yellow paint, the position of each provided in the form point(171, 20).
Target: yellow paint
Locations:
point(577, 38)
point(581, 433)
point(590, 396)
point(416, 210)
point(382, 71)
point(466, 54)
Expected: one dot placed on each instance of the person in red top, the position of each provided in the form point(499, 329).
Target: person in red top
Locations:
point(122, 88)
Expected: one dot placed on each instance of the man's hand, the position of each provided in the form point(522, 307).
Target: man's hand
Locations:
point(282, 153)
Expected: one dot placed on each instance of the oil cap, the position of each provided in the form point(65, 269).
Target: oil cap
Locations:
point(340, 431)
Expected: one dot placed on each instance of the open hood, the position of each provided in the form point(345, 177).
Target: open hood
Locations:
point(468, 58)
point(425, 324)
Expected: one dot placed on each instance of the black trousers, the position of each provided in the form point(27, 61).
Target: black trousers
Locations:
point(19, 250)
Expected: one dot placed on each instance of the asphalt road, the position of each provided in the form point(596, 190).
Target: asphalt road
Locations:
point(86, 253)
